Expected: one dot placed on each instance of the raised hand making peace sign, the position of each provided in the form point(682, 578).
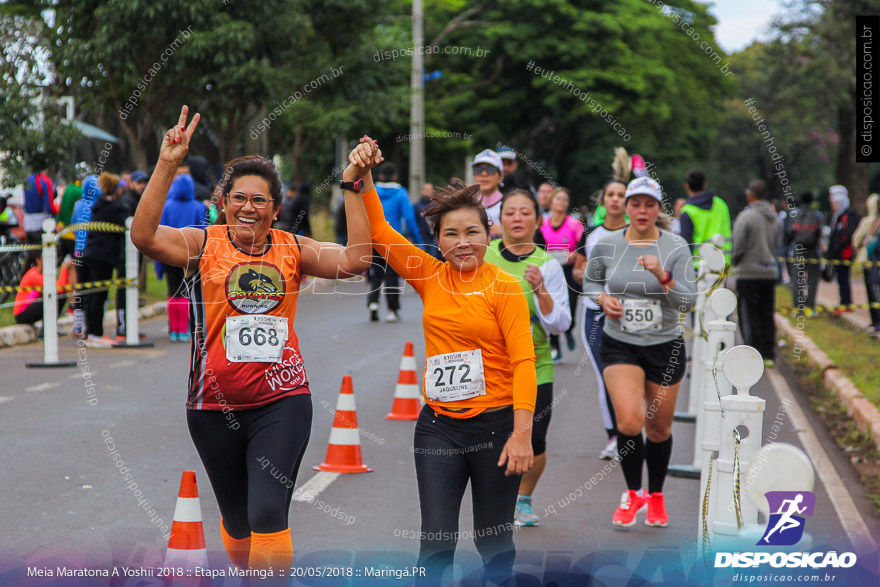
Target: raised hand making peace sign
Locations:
point(176, 141)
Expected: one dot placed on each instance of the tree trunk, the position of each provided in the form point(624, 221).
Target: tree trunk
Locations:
point(852, 175)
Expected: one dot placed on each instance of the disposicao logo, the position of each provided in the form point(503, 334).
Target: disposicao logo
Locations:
point(785, 527)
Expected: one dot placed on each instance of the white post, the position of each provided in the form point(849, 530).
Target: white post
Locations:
point(696, 379)
point(132, 328)
point(719, 305)
point(743, 367)
point(132, 335)
point(50, 294)
point(50, 301)
point(721, 338)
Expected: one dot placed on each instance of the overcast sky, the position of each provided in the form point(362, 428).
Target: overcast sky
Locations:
point(742, 21)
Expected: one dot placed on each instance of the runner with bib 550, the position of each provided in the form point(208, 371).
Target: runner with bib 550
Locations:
point(651, 283)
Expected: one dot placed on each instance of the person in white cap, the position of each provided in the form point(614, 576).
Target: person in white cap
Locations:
point(650, 283)
point(487, 168)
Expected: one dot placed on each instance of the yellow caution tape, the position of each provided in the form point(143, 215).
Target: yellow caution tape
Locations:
point(814, 261)
point(816, 310)
point(737, 503)
point(16, 248)
point(73, 286)
point(707, 542)
point(91, 226)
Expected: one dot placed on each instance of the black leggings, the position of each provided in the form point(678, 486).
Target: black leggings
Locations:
point(93, 303)
point(252, 458)
point(449, 453)
point(541, 421)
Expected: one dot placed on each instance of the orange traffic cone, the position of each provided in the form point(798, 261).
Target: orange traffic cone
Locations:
point(344, 448)
point(407, 395)
point(186, 548)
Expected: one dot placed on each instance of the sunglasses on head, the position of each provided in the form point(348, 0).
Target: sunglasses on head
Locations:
point(482, 168)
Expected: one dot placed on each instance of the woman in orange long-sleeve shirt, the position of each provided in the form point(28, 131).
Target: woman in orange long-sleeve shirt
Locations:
point(479, 381)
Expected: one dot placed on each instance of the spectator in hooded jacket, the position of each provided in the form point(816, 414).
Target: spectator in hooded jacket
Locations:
point(181, 210)
point(843, 225)
point(755, 234)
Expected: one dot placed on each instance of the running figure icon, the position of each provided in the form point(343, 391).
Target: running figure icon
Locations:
point(786, 522)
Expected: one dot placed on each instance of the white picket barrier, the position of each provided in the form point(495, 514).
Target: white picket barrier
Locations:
point(50, 301)
point(722, 337)
point(710, 272)
point(742, 417)
point(50, 294)
point(711, 269)
point(132, 328)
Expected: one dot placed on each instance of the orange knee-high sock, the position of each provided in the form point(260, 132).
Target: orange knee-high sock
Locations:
point(271, 551)
point(238, 549)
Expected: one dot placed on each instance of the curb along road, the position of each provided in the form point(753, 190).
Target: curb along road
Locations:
point(865, 413)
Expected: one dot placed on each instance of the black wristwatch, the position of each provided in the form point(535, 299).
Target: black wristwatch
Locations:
point(352, 186)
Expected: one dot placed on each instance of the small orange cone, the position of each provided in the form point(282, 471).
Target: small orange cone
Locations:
point(186, 548)
point(407, 395)
point(344, 448)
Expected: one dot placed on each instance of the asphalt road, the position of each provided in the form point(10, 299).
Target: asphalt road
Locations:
point(65, 501)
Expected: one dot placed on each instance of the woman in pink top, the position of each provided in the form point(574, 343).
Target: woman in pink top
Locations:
point(562, 233)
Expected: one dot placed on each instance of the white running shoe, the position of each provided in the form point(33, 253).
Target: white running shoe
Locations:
point(374, 311)
point(98, 342)
point(523, 515)
point(392, 316)
point(609, 453)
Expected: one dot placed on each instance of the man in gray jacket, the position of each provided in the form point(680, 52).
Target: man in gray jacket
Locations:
point(755, 234)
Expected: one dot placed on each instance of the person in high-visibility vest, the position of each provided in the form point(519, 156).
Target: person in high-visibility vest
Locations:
point(705, 217)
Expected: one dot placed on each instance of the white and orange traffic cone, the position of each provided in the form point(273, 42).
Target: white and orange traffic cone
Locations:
point(186, 548)
point(407, 395)
point(344, 448)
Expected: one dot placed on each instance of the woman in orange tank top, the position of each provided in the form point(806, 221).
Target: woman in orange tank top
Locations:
point(249, 409)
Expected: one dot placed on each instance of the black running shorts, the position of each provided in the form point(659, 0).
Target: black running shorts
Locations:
point(662, 363)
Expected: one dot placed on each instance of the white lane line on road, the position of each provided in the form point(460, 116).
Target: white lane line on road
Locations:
point(5, 398)
point(124, 363)
point(79, 375)
point(309, 490)
point(41, 387)
point(850, 517)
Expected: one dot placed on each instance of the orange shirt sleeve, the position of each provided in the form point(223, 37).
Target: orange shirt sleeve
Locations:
point(512, 311)
point(23, 299)
point(409, 261)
